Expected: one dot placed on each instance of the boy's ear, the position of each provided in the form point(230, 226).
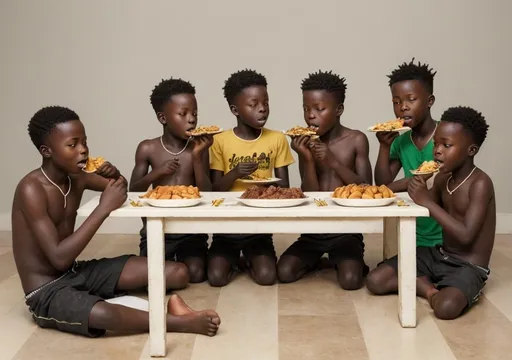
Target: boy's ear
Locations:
point(473, 149)
point(45, 151)
point(339, 110)
point(161, 118)
point(233, 109)
point(431, 100)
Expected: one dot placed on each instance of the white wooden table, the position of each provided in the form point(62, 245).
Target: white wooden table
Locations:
point(399, 224)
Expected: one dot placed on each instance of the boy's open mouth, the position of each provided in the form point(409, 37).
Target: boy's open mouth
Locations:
point(81, 164)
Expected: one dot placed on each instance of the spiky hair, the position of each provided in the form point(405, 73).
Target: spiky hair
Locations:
point(241, 80)
point(411, 71)
point(470, 119)
point(326, 80)
point(166, 89)
point(45, 120)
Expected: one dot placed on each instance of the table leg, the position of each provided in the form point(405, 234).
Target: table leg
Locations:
point(407, 271)
point(390, 243)
point(156, 284)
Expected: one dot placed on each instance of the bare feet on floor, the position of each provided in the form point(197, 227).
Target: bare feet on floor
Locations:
point(185, 319)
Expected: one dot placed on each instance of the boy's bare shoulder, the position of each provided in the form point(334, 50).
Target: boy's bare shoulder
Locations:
point(30, 188)
point(482, 184)
point(355, 137)
point(148, 145)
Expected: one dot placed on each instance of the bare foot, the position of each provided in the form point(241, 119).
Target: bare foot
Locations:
point(176, 306)
point(202, 322)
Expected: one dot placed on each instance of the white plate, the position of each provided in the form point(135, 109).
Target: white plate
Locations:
point(273, 203)
point(313, 136)
point(364, 202)
point(415, 172)
point(272, 180)
point(404, 128)
point(170, 203)
point(209, 133)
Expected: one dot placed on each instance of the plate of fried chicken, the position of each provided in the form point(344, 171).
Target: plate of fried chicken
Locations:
point(272, 197)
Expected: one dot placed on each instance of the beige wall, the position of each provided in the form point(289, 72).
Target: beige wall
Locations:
point(102, 59)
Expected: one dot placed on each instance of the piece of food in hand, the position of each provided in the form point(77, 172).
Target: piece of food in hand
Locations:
point(93, 164)
point(302, 131)
point(391, 125)
point(205, 130)
point(363, 191)
point(272, 192)
point(427, 167)
point(172, 192)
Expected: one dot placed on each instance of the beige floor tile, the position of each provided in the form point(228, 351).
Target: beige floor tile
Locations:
point(316, 294)
point(481, 334)
point(249, 324)
point(498, 289)
point(320, 337)
point(4, 249)
point(16, 327)
point(11, 294)
point(387, 340)
point(7, 266)
point(5, 238)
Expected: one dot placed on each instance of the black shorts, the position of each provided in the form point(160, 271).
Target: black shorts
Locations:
point(448, 271)
point(66, 303)
point(179, 247)
point(229, 246)
point(310, 248)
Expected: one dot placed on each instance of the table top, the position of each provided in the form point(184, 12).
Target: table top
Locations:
point(232, 209)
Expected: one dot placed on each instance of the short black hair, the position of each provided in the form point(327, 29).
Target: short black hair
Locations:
point(326, 80)
point(167, 88)
point(471, 120)
point(45, 120)
point(411, 71)
point(241, 80)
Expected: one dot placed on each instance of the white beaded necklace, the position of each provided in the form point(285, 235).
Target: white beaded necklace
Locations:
point(169, 151)
point(57, 186)
point(458, 186)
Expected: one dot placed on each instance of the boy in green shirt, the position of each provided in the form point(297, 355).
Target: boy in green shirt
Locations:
point(412, 87)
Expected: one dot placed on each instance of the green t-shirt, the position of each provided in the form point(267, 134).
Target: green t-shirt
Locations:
point(428, 231)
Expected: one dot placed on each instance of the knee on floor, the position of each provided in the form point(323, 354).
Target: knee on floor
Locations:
point(448, 308)
point(350, 280)
point(265, 275)
point(286, 272)
point(217, 277)
point(197, 273)
point(376, 282)
point(177, 275)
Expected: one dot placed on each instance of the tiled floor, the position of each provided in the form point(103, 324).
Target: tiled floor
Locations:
point(310, 319)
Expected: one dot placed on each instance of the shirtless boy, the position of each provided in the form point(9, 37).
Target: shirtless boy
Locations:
point(61, 292)
point(340, 157)
point(462, 200)
point(175, 158)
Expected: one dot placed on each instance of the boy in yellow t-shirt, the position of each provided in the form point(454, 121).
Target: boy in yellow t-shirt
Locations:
point(246, 149)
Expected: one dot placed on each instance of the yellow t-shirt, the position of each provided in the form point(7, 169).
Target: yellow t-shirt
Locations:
point(271, 149)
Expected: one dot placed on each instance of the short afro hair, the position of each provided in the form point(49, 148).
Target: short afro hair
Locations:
point(45, 120)
point(241, 80)
point(326, 80)
point(166, 89)
point(411, 71)
point(471, 120)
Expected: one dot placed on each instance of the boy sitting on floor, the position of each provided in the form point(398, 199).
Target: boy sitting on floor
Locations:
point(61, 292)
